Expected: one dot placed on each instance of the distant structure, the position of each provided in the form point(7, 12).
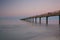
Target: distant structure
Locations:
point(56, 13)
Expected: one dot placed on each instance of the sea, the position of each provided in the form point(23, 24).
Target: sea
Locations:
point(16, 29)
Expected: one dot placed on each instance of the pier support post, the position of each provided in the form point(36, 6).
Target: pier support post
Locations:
point(35, 19)
point(47, 20)
point(59, 19)
point(40, 20)
point(31, 19)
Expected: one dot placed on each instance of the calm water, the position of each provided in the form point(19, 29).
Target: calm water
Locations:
point(15, 29)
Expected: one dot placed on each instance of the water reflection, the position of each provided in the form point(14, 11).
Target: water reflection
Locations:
point(21, 30)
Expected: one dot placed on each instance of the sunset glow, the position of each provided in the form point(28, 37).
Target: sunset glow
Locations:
point(21, 8)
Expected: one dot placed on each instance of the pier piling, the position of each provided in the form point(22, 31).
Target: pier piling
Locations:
point(47, 20)
point(59, 18)
point(40, 20)
point(56, 13)
point(35, 19)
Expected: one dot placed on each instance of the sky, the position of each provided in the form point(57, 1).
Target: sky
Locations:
point(27, 8)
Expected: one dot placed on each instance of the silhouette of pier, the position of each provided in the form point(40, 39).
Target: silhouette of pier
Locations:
point(47, 15)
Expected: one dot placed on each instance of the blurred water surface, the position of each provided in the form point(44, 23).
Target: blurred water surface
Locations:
point(15, 29)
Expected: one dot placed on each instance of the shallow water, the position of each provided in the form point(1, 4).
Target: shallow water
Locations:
point(22, 30)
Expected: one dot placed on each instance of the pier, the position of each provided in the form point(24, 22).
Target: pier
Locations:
point(47, 15)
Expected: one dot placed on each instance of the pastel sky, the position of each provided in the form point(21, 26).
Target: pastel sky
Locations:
point(25, 8)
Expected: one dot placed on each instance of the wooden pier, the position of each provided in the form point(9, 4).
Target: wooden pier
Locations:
point(47, 15)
